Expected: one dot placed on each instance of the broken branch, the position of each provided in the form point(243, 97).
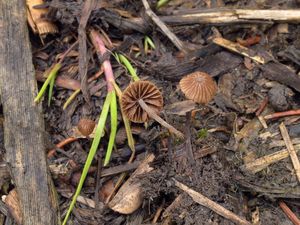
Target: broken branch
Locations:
point(291, 149)
point(202, 200)
point(163, 27)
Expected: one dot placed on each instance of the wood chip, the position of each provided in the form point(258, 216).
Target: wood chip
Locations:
point(261, 163)
point(130, 196)
point(236, 47)
point(36, 20)
point(13, 204)
point(291, 149)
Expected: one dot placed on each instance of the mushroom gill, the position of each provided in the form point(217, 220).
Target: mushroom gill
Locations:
point(146, 91)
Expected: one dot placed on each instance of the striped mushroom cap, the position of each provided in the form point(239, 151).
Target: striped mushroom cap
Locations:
point(199, 87)
point(141, 90)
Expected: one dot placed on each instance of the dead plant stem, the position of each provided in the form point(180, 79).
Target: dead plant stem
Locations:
point(158, 119)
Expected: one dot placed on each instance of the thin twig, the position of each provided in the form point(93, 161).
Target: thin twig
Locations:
point(295, 112)
point(264, 161)
point(96, 75)
point(202, 200)
point(158, 119)
point(289, 213)
point(262, 106)
point(61, 144)
point(65, 54)
point(120, 169)
point(86, 201)
point(236, 47)
point(158, 213)
point(225, 16)
point(291, 149)
point(249, 41)
point(163, 27)
point(88, 6)
point(175, 204)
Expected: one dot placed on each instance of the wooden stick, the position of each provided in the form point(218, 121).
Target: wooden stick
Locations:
point(173, 205)
point(87, 8)
point(158, 119)
point(262, 106)
point(271, 70)
point(86, 201)
point(228, 16)
point(289, 213)
point(24, 123)
point(263, 162)
point(282, 114)
point(211, 16)
point(236, 47)
point(291, 149)
point(163, 27)
point(202, 200)
point(61, 144)
point(120, 169)
point(157, 214)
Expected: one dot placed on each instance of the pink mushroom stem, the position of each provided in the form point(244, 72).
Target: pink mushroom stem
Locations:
point(100, 48)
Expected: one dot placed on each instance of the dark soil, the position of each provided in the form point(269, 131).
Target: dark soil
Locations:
point(216, 131)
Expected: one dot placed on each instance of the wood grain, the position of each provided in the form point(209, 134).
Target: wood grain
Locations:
point(24, 124)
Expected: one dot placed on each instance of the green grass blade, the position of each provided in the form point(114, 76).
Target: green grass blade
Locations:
point(116, 55)
point(161, 3)
point(71, 98)
point(129, 67)
point(149, 41)
point(137, 54)
point(94, 147)
point(113, 128)
point(52, 74)
point(146, 46)
point(130, 139)
point(126, 122)
point(51, 85)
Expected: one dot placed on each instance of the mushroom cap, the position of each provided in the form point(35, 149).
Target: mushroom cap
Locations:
point(141, 90)
point(199, 87)
point(86, 126)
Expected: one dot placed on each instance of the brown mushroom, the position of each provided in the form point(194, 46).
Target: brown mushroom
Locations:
point(199, 87)
point(141, 90)
point(142, 100)
point(86, 126)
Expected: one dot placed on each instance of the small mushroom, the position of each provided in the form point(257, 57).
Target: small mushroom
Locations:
point(141, 90)
point(86, 126)
point(142, 100)
point(199, 87)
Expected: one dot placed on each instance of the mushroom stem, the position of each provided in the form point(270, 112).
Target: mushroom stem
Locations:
point(158, 119)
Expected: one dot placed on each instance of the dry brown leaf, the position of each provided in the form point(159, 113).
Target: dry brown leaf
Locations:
point(35, 18)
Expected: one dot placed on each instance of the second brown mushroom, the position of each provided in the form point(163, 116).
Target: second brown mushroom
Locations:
point(142, 100)
point(199, 87)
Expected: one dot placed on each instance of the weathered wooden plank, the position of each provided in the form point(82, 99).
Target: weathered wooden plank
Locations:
point(24, 124)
